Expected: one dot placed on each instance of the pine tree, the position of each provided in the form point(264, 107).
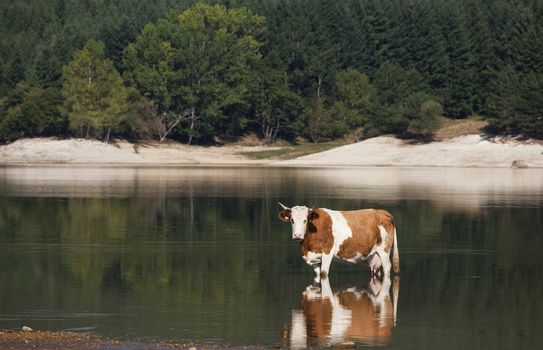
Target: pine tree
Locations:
point(504, 100)
point(459, 84)
point(530, 107)
point(482, 63)
point(355, 99)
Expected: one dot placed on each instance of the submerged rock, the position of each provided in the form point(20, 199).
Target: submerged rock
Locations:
point(519, 164)
point(344, 345)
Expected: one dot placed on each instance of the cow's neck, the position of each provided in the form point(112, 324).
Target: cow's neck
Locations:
point(318, 237)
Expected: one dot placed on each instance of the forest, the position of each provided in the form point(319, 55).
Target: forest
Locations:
point(204, 72)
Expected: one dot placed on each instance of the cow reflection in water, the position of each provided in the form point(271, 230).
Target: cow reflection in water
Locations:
point(364, 315)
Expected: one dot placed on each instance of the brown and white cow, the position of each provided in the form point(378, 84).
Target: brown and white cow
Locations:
point(364, 315)
point(359, 235)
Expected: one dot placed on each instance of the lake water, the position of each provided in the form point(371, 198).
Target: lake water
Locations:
point(198, 254)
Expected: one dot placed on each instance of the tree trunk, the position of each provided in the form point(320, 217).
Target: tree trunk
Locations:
point(160, 125)
point(319, 84)
point(192, 120)
point(179, 118)
point(275, 131)
point(268, 132)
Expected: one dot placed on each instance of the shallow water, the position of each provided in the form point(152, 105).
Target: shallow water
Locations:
point(198, 254)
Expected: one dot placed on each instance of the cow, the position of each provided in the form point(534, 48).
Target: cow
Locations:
point(364, 315)
point(365, 235)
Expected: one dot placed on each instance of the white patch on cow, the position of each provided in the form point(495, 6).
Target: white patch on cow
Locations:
point(358, 257)
point(340, 229)
point(385, 256)
point(298, 218)
point(313, 258)
point(384, 234)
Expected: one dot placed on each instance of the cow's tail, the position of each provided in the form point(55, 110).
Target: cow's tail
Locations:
point(395, 292)
point(395, 254)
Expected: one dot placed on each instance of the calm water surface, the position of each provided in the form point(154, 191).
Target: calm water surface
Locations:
point(198, 254)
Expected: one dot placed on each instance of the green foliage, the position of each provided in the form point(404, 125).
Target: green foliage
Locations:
point(426, 119)
point(31, 110)
point(197, 66)
point(395, 87)
point(95, 97)
point(293, 151)
point(215, 71)
point(355, 99)
point(319, 122)
point(277, 110)
point(531, 106)
point(516, 102)
point(395, 83)
point(138, 122)
point(505, 98)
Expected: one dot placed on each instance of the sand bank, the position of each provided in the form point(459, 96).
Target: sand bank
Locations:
point(82, 151)
point(464, 151)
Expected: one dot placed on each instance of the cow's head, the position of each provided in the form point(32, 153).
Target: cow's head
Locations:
point(299, 217)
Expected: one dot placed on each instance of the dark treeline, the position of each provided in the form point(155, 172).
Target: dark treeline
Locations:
point(209, 71)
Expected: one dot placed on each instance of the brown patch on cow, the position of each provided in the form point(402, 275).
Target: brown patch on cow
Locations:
point(365, 227)
point(388, 223)
point(318, 237)
point(285, 215)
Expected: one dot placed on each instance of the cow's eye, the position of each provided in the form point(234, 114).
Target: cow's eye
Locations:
point(305, 221)
point(292, 220)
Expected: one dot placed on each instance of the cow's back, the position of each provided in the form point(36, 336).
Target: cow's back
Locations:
point(366, 231)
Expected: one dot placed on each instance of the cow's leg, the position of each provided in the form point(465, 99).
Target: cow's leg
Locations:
point(375, 263)
point(385, 261)
point(317, 269)
point(325, 264)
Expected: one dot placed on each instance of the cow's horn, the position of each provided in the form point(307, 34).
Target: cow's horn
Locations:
point(283, 206)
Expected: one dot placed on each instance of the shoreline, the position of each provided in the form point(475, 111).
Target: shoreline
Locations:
point(68, 340)
point(466, 151)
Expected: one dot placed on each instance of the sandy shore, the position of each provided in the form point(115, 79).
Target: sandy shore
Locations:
point(464, 151)
point(82, 151)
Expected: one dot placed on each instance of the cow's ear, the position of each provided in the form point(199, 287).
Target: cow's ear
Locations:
point(285, 215)
point(313, 215)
